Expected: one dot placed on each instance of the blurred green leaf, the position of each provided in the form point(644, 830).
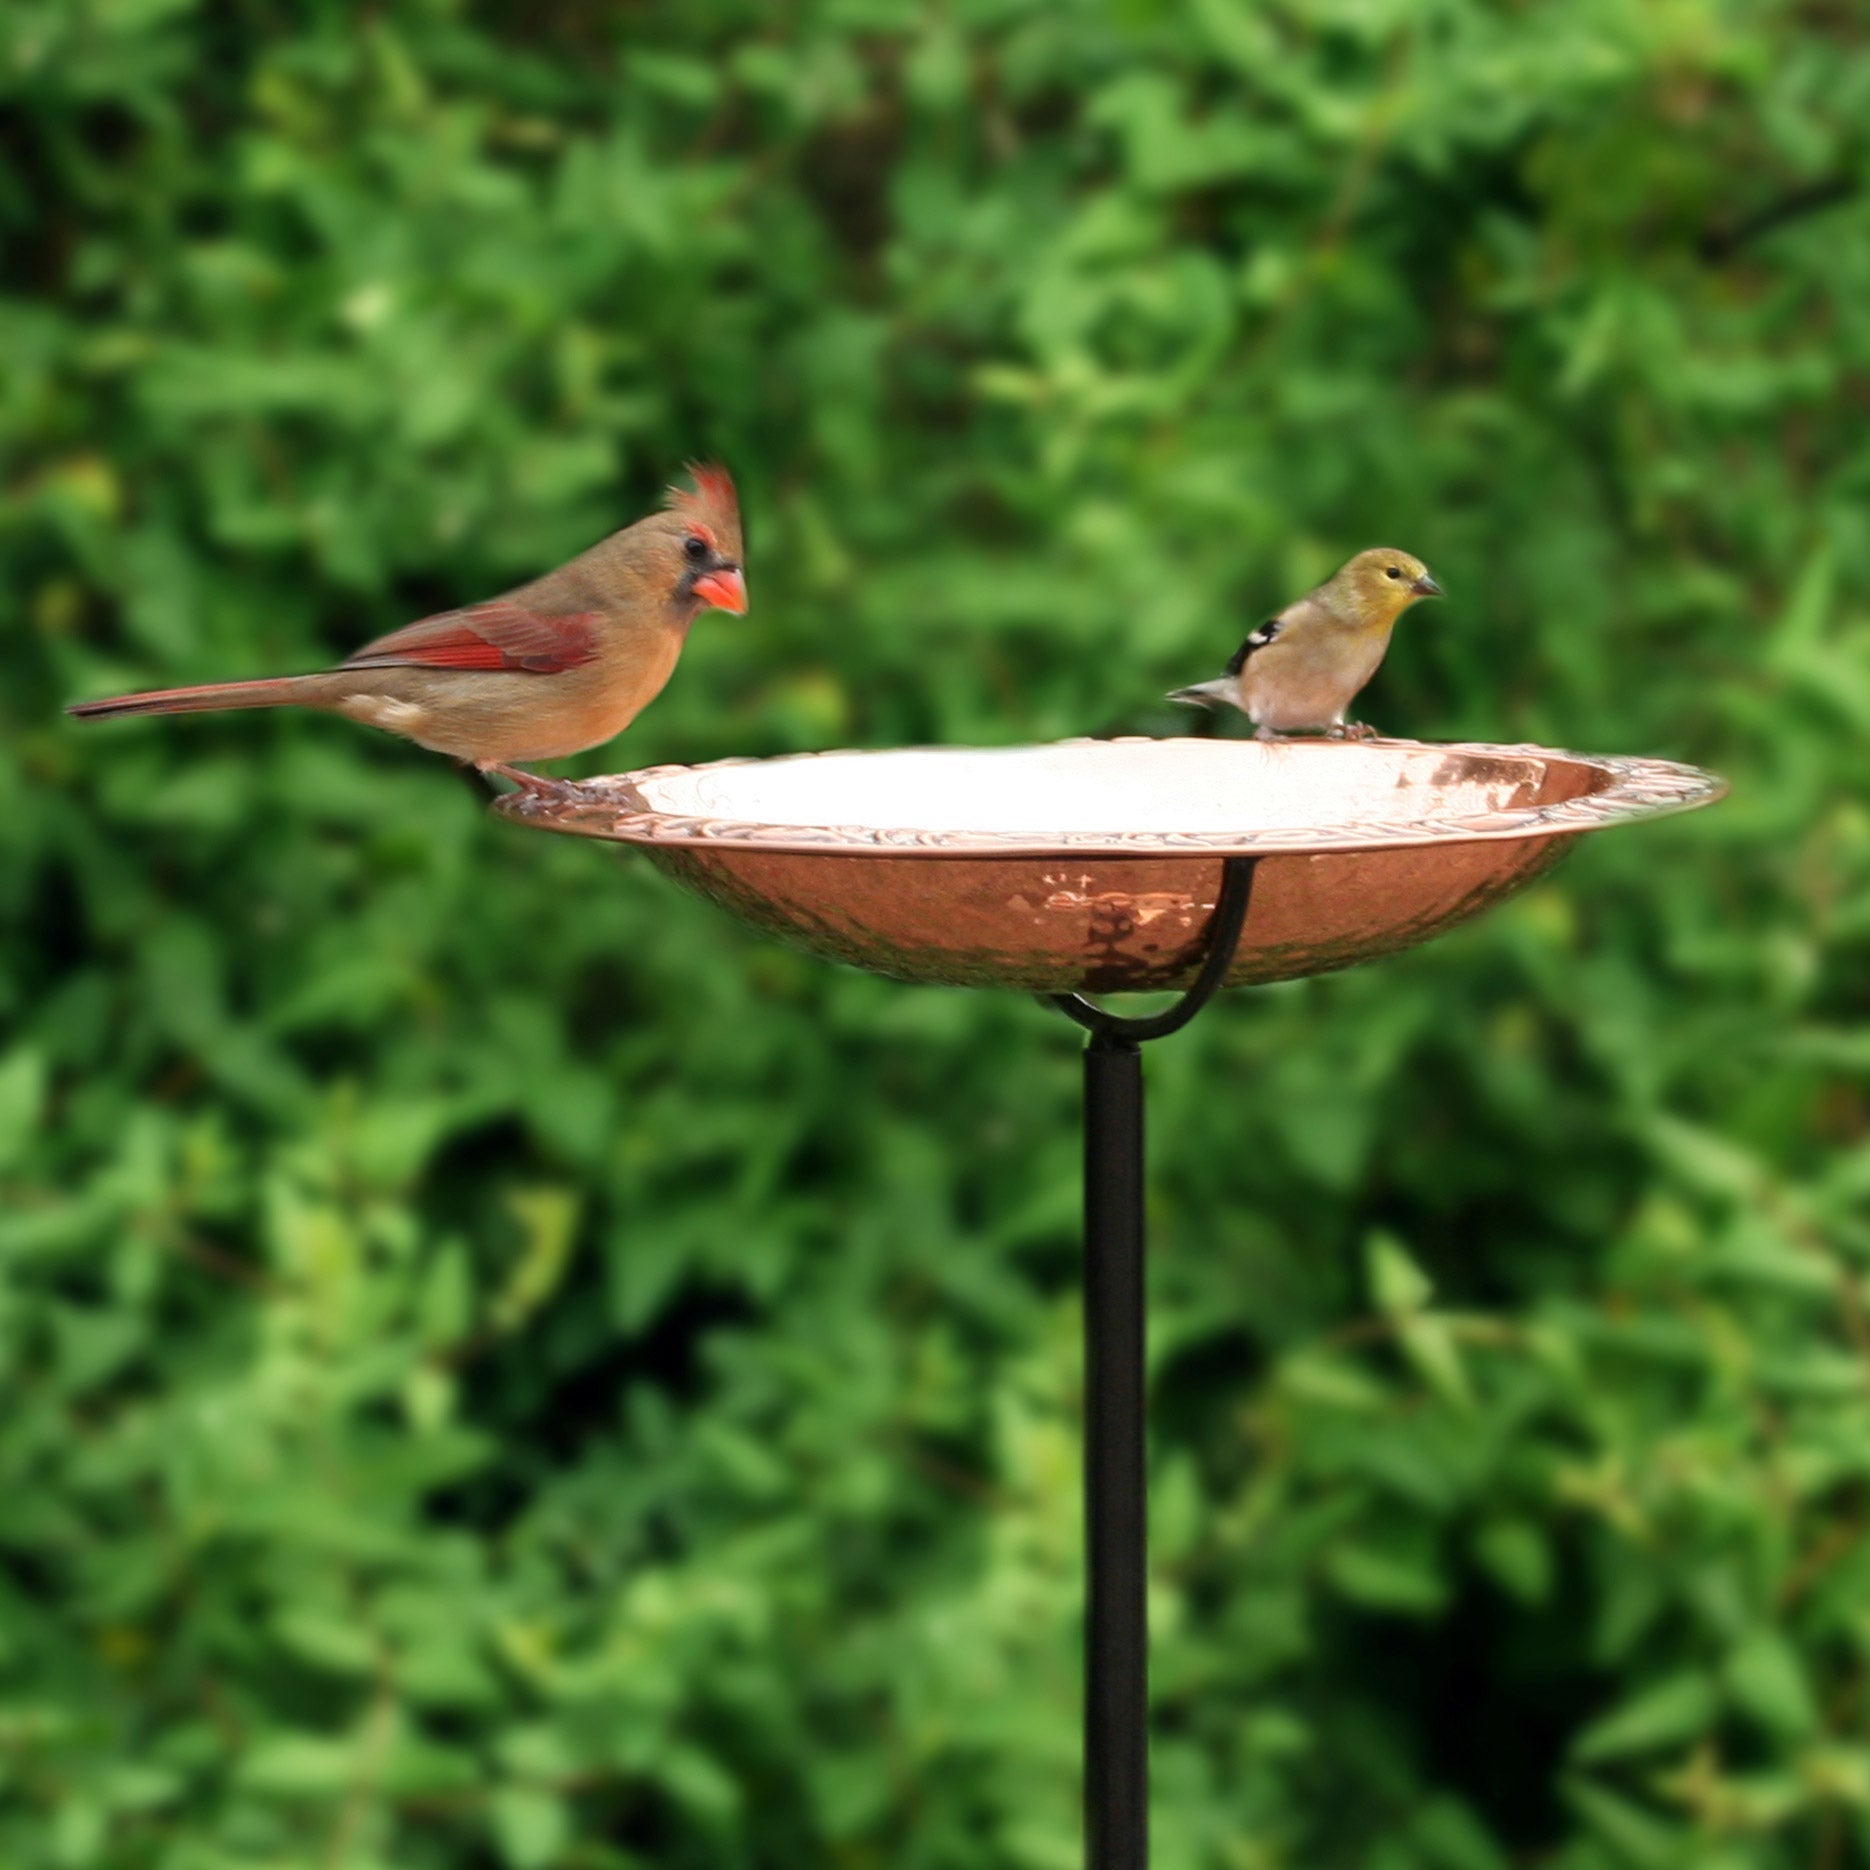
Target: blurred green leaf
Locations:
point(1397, 1284)
point(22, 1100)
point(1765, 1679)
point(1663, 1715)
point(532, 1827)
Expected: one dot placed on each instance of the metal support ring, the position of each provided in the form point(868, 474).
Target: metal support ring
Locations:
point(1230, 917)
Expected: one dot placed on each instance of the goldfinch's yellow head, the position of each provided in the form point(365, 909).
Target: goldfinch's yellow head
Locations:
point(1377, 586)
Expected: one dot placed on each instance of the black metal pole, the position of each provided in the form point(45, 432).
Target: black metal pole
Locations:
point(1116, 1635)
point(1116, 1532)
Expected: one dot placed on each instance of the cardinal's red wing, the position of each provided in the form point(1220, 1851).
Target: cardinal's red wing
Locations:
point(496, 635)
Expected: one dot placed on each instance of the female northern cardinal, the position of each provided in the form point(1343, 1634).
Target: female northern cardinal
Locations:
point(556, 666)
point(1303, 668)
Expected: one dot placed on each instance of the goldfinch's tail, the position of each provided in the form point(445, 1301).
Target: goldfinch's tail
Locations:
point(1222, 692)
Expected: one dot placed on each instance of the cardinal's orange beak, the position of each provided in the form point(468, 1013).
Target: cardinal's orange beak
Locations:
point(723, 590)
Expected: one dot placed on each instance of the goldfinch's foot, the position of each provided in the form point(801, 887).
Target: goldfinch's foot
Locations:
point(1354, 730)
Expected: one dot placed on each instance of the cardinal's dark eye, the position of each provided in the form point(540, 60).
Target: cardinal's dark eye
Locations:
point(1395, 571)
point(697, 549)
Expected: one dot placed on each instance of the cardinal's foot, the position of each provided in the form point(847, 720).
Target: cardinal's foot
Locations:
point(534, 785)
point(1354, 730)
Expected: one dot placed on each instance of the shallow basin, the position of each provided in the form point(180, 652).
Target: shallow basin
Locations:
point(1094, 864)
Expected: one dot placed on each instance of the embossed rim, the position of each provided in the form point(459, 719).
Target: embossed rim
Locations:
point(615, 809)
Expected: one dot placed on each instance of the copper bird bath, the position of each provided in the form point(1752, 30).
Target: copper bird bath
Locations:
point(1092, 866)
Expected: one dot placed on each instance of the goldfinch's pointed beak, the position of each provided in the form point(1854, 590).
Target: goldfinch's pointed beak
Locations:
point(1425, 586)
point(725, 589)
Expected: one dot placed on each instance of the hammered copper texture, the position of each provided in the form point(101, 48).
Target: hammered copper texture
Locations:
point(1410, 841)
point(1103, 924)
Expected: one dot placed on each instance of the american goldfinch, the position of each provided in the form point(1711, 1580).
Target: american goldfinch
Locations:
point(1301, 669)
point(558, 665)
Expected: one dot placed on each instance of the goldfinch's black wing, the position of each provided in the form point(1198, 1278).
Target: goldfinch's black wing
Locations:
point(1258, 640)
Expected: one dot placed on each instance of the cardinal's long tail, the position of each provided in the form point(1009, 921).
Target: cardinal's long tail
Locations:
point(279, 691)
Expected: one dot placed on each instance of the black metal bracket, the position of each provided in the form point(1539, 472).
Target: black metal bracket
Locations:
point(1116, 1513)
point(1230, 917)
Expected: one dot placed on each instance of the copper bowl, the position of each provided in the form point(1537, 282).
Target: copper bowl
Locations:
point(1094, 864)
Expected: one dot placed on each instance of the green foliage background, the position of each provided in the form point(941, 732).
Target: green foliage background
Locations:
point(499, 1367)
